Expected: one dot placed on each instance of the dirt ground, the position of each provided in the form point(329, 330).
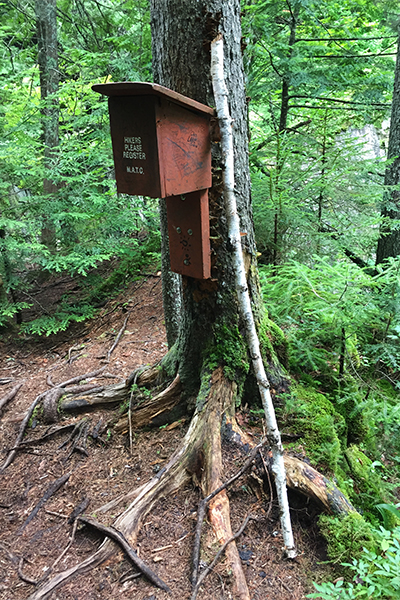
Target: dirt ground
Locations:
point(109, 471)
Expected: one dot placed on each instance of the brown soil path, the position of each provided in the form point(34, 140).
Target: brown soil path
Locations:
point(110, 471)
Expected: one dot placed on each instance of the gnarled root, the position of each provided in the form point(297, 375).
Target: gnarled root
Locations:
point(146, 413)
point(199, 453)
point(112, 394)
point(200, 457)
point(221, 400)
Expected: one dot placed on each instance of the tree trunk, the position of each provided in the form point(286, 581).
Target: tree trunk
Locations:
point(389, 240)
point(171, 283)
point(46, 19)
point(210, 353)
point(182, 62)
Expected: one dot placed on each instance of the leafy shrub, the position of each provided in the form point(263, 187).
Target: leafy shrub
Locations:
point(377, 572)
point(48, 324)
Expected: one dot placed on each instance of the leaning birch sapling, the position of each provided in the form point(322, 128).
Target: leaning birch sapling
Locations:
point(274, 438)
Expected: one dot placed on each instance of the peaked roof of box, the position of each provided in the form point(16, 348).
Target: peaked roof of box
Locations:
point(140, 88)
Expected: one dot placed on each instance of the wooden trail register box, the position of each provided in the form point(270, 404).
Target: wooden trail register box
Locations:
point(162, 149)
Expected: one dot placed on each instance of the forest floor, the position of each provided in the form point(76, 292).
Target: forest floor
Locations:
point(110, 470)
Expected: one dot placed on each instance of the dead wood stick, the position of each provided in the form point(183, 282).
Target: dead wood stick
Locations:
point(78, 510)
point(216, 558)
point(11, 394)
point(76, 431)
point(137, 373)
point(117, 339)
point(202, 510)
point(52, 489)
point(63, 553)
point(46, 436)
point(118, 537)
point(24, 577)
point(79, 378)
point(13, 452)
point(12, 557)
point(82, 433)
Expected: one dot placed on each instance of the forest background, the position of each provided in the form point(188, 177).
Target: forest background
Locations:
point(319, 85)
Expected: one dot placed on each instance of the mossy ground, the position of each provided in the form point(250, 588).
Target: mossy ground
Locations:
point(322, 430)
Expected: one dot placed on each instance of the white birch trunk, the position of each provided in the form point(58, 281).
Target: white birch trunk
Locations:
point(274, 438)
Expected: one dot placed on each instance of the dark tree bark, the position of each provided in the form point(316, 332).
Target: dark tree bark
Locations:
point(182, 62)
point(294, 15)
point(46, 20)
point(389, 240)
point(210, 353)
point(171, 283)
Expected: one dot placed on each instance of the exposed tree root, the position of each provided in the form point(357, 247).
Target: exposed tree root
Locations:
point(194, 458)
point(111, 394)
point(221, 400)
point(52, 489)
point(10, 396)
point(300, 476)
point(200, 458)
point(21, 433)
point(115, 535)
point(144, 414)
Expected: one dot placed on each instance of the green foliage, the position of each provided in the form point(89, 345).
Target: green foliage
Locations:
point(333, 309)
point(273, 342)
point(60, 320)
point(8, 310)
point(376, 572)
point(91, 222)
point(314, 305)
point(369, 487)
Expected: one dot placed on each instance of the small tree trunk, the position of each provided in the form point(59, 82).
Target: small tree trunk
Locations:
point(389, 240)
point(221, 100)
point(46, 19)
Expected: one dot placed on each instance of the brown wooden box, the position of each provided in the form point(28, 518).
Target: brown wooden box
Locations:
point(161, 140)
point(189, 234)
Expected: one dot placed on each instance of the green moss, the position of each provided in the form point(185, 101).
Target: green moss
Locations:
point(310, 414)
point(274, 345)
point(169, 363)
point(205, 387)
point(350, 403)
point(369, 488)
point(229, 350)
point(36, 415)
point(346, 536)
